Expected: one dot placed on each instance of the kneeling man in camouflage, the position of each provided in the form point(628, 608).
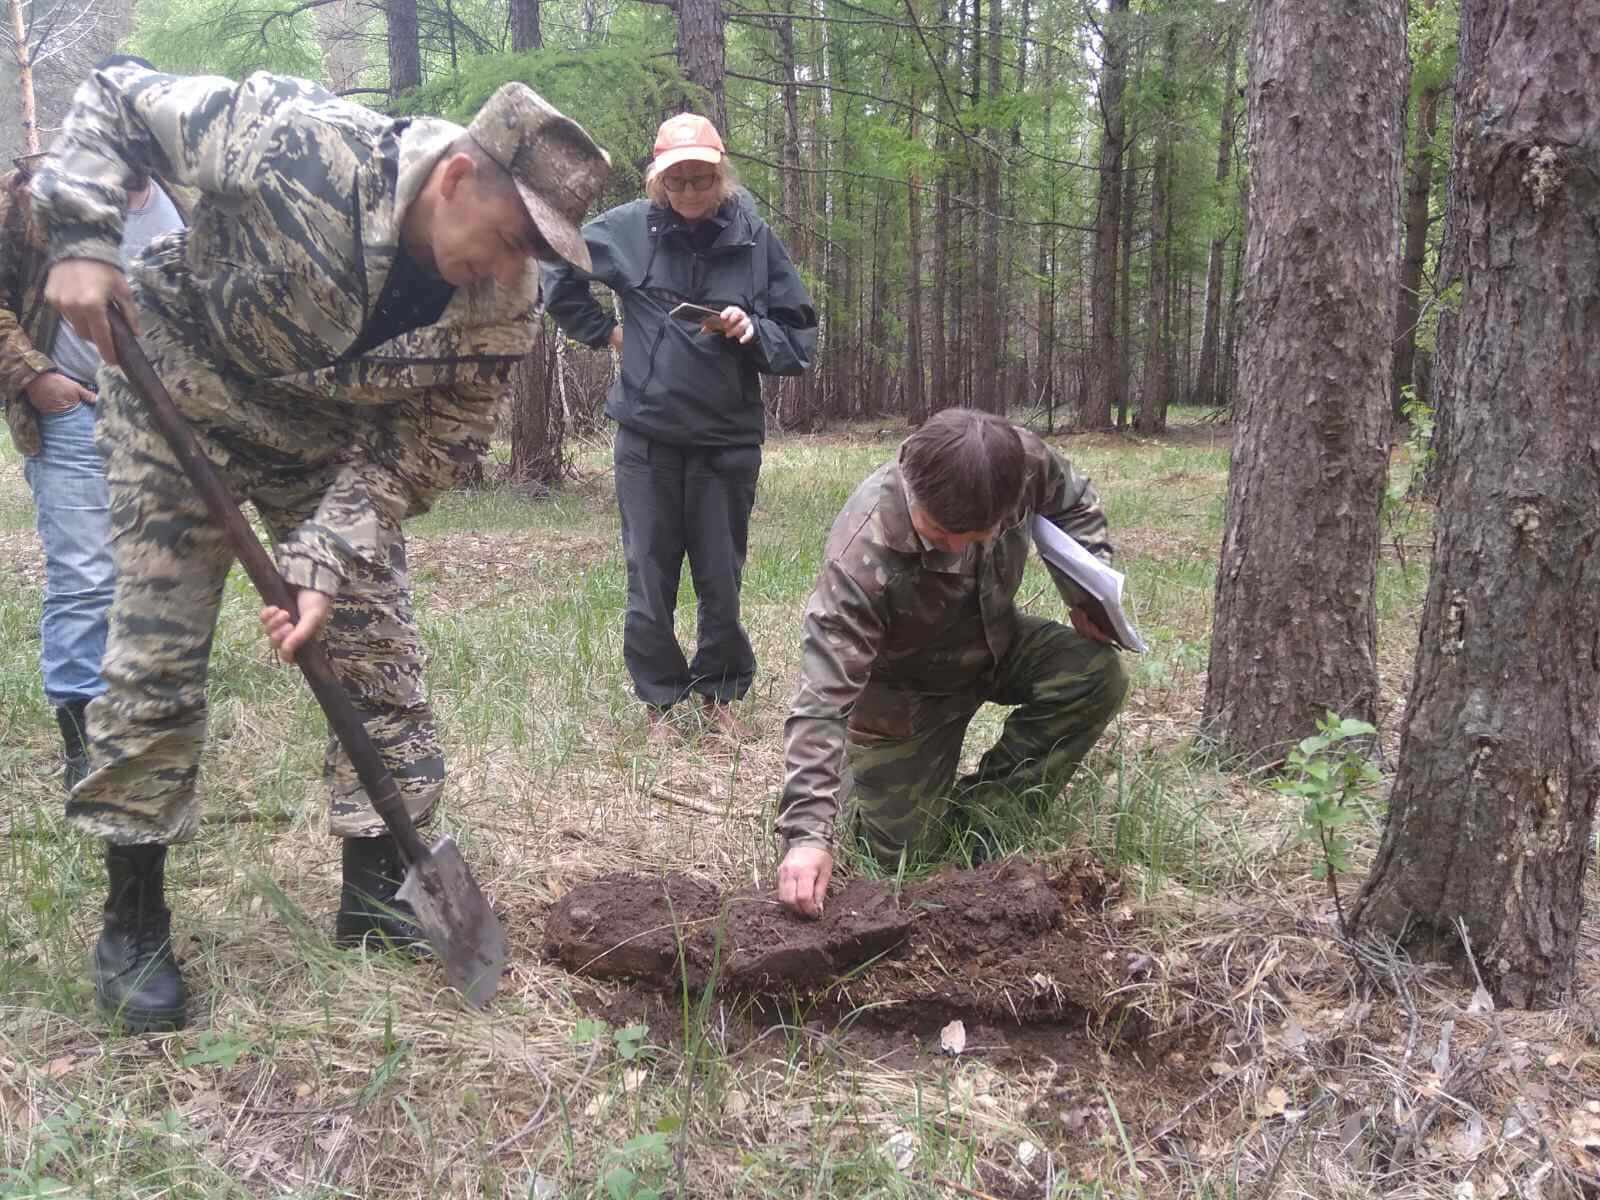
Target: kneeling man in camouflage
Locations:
point(913, 626)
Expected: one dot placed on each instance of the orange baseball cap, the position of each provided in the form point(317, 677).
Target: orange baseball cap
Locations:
point(686, 137)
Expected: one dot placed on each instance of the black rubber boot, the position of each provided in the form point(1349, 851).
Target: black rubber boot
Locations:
point(368, 910)
point(69, 717)
point(136, 980)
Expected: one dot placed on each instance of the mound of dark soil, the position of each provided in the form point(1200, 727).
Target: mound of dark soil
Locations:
point(1007, 941)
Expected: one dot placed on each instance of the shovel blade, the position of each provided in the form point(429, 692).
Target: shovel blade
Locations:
point(458, 922)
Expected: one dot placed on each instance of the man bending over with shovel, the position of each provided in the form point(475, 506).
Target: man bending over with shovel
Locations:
point(336, 325)
point(913, 626)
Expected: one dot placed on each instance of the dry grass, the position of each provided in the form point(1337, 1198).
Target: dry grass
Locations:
point(1257, 1056)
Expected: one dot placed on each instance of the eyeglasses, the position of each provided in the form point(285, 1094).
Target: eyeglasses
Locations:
point(693, 183)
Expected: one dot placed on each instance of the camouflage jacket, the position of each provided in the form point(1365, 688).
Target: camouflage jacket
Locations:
point(302, 198)
point(888, 610)
point(26, 321)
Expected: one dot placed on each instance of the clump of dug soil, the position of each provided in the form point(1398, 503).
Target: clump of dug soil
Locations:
point(1011, 941)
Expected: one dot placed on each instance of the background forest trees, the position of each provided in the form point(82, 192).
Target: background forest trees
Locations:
point(1022, 205)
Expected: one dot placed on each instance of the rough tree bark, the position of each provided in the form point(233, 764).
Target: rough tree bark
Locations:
point(1205, 386)
point(1295, 627)
point(1419, 189)
point(991, 394)
point(538, 422)
point(1491, 820)
point(1471, 48)
point(1106, 386)
point(526, 33)
point(702, 46)
point(1152, 416)
point(405, 48)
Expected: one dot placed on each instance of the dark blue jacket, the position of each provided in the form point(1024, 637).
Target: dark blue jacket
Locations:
point(680, 385)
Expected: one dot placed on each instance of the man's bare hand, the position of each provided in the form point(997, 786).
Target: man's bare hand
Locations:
point(615, 338)
point(81, 290)
point(286, 634)
point(1086, 627)
point(51, 392)
point(803, 879)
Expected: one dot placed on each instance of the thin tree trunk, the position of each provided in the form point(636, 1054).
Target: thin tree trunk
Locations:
point(1419, 189)
point(1205, 389)
point(1475, 21)
point(916, 402)
point(991, 314)
point(28, 109)
point(538, 423)
point(1295, 632)
point(1228, 373)
point(1130, 182)
point(1491, 820)
point(1158, 332)
point(1105, 390)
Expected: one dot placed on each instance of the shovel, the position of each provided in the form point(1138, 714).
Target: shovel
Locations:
point(450, 906)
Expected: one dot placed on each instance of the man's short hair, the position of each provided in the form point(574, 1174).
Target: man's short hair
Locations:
point(964, 469)
point(488, 174)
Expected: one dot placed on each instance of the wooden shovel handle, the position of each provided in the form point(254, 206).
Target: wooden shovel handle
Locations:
point(311, 658)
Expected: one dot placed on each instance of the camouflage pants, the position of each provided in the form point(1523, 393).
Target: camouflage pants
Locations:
point(146, 732)
point(905, 746)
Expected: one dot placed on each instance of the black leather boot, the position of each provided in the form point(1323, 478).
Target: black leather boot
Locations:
point(69, 717)
point(368, 910)
point(136, 979)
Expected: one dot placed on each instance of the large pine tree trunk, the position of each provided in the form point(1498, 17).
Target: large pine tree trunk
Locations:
point(1205, 386)
point(525, 31)
point(702, 45)
point(405, 49)
point(1492, 815)
point(1295, 627)
point(1105, 385)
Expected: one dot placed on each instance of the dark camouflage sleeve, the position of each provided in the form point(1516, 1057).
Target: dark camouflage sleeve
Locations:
point(1069, 502)
point(20, 360)
point(841, 632)
point(198, 131)
point(426, 444)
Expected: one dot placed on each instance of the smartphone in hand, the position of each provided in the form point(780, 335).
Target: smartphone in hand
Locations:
point(710, 318)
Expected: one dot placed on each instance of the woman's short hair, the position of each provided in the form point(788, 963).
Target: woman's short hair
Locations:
point(965, 469)
point(727, 184)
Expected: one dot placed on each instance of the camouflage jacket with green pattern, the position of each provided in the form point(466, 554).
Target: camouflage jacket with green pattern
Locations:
point(891, 611)
point(302, 199)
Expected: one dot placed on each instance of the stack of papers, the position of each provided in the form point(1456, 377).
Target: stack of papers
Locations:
point(1102, 583)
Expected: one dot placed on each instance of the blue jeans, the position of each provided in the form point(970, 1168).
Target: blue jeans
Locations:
point(68, 478)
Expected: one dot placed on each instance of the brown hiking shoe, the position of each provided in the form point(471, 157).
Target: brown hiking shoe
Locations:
point(720, 717)
point(663, 732)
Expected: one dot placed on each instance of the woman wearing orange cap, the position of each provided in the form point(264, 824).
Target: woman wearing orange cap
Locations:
point(687, 404)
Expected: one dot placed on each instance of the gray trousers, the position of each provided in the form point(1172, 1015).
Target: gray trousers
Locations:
point(678, 500)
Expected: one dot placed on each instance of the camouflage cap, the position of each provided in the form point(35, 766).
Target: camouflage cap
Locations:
point(557, 166)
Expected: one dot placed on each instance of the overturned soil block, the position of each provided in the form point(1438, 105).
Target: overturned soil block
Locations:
point(1008, 941)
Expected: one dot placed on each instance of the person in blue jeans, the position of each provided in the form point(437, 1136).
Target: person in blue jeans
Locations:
point(47, 374)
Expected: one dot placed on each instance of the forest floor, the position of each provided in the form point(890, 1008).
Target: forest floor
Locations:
point(1151, 998)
